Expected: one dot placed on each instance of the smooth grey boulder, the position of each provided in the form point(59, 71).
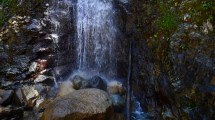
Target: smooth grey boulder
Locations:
point(84, 104)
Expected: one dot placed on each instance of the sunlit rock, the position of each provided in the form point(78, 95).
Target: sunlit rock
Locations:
point(33, 67)
point(45, 79)
point(65, 88)
point(29, 95)
point(90, 104)
point(115, 87)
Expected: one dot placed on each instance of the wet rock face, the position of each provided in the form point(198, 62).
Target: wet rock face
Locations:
point(25, 73)
point(118, 102)
point(79, 82)
point(5, 97)
point(94, 82)
point(178, 72)
point(92, 104)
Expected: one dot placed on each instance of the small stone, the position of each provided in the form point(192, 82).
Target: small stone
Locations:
point(115, 87)
point(47, 5)
point(195, 35)
point(35, 25)
point(167, 114)
point(65, 88)
point(205, 28)
point(33, 67)
point(42, 64)
point(77, 82)
point(209, 25)
point(187, 17)
point(19, 17)
point(30, 95)
point(44, 79)
point(13, 70)
point(98, 82)
point(46, 13)
point(29, 92)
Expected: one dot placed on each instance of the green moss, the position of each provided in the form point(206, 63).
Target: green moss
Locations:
point(8, 2)
point(8, 8)
point(168, 21)
point(2, 18)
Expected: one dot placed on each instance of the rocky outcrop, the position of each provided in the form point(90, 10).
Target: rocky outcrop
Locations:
point(90, 104)
point(173, 67)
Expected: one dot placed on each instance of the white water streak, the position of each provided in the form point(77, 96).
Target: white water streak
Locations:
point(96, 34)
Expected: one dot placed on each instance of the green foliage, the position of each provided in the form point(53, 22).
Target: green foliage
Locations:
point(8, 8)
point(168, 21)
point(8, 2)
point(2, 18)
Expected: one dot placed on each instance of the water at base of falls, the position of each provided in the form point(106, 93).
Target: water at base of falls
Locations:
point(137, 113)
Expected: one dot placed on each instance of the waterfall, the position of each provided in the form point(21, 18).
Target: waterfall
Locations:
point(95, 27)
point(96, 36)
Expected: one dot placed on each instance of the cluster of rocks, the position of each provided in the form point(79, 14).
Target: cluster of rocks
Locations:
point(115, 93)
point(26, 66)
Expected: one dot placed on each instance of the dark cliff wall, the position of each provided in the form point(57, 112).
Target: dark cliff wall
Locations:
point(173, 58)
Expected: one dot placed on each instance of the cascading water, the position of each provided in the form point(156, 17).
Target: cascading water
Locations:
point(96, 36)
point(137, 113)
point(98, 45)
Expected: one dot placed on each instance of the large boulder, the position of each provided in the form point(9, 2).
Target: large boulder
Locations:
point(84, 104)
